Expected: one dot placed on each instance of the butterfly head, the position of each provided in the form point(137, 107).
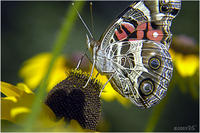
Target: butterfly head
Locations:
point(91, 43)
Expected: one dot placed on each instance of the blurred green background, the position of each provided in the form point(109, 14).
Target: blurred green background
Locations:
point(29, 28)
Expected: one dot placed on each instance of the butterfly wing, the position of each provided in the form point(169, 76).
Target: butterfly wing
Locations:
point(143, 20)
point(135, 47)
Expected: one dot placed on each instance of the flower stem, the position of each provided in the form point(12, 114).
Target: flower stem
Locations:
point(58, 46)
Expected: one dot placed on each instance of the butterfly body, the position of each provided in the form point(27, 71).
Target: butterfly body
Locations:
point(133, 52)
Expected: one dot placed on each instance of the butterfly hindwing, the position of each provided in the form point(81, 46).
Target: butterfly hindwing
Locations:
point(138, 62)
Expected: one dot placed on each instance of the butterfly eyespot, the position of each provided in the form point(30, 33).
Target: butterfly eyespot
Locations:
point(164, 8)
point(146, 87)
point(154, 63)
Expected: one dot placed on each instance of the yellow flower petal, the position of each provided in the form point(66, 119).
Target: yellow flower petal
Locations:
point(73, 126)
point(10, 90)
point(58, 73)
point(18, 110)
point(6, 105)
point(35, 68)
point(17, 97)
point(172, 53)
point(186, 65)
point(11, 98)
point(46, 118)
point(108, 93)
point(24, 88)
point(124, 101)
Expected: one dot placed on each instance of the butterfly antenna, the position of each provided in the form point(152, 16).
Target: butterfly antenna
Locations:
point(91, 17)
point(93, 49)
point(82, 21)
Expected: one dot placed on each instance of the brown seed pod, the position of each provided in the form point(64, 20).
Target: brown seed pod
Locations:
point(70, 100)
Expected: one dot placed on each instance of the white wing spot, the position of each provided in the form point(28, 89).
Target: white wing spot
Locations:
point(155, 34)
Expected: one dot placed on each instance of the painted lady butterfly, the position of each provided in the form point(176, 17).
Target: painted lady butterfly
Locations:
point(133, 52)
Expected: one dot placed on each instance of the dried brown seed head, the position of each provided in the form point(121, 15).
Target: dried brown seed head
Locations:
point(70, 100)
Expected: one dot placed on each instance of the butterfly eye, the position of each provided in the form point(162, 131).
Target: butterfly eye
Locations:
point(164, 8)
point(146, 87)
point(154, 63)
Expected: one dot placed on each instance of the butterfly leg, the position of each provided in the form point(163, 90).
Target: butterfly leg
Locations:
point(94, 58)
point(106, 84)
point(80, 60)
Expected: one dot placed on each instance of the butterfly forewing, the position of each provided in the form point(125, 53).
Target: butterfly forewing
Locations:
point(143, 20)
